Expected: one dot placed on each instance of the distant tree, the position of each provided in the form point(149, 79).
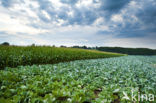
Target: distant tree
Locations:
point(5, 44)
point(33, 44)
point(89, 48)
point(84, 47)
point(76, 46)
point(62, 46)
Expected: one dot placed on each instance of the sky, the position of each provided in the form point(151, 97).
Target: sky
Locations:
point(121, 23)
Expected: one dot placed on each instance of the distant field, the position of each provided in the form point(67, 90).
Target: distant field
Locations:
point(13, 56)
point(83, 81)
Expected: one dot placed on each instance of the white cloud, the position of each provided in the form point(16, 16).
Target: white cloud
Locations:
point(86, 2)
point(56, 4)
point(14, 25)
point(117, 18)
point(46, 14)
point(99, 21)
point(71, 13)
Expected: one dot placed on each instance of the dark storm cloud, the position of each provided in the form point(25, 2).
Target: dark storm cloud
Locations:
point(63, 13)
point(148, 14)
point(110, 7)
point(147, 22)
point(85, 16)
point(113, 5)
point(143, 26)
point(131, 33)
point(45, 5)
point(82, 17)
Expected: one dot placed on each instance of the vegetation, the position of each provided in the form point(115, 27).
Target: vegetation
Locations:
point(130, 51)
point(84, 81)
point(5, 44)
point(12, 56)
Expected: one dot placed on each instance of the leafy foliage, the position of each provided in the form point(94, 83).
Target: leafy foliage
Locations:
point(5, 44)
point(13, 56)
point(96, 81)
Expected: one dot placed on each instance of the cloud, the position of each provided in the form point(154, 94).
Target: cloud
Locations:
point(113, 5)
point(141, 21)
point(147, 15)
point(72, 2)
point(13, 25)
point(8, 3)
point(92, 22)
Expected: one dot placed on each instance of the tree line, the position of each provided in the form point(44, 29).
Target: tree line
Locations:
point(130, 51)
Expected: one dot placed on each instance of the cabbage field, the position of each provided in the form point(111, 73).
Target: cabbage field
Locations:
point(127, 79)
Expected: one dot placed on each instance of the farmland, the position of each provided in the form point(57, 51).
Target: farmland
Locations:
point(82, 81)
point(13, 56)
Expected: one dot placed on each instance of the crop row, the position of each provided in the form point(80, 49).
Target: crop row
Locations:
point(84, 81)
point(12, 56)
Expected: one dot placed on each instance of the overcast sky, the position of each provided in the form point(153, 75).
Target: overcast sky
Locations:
point(125, 23)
